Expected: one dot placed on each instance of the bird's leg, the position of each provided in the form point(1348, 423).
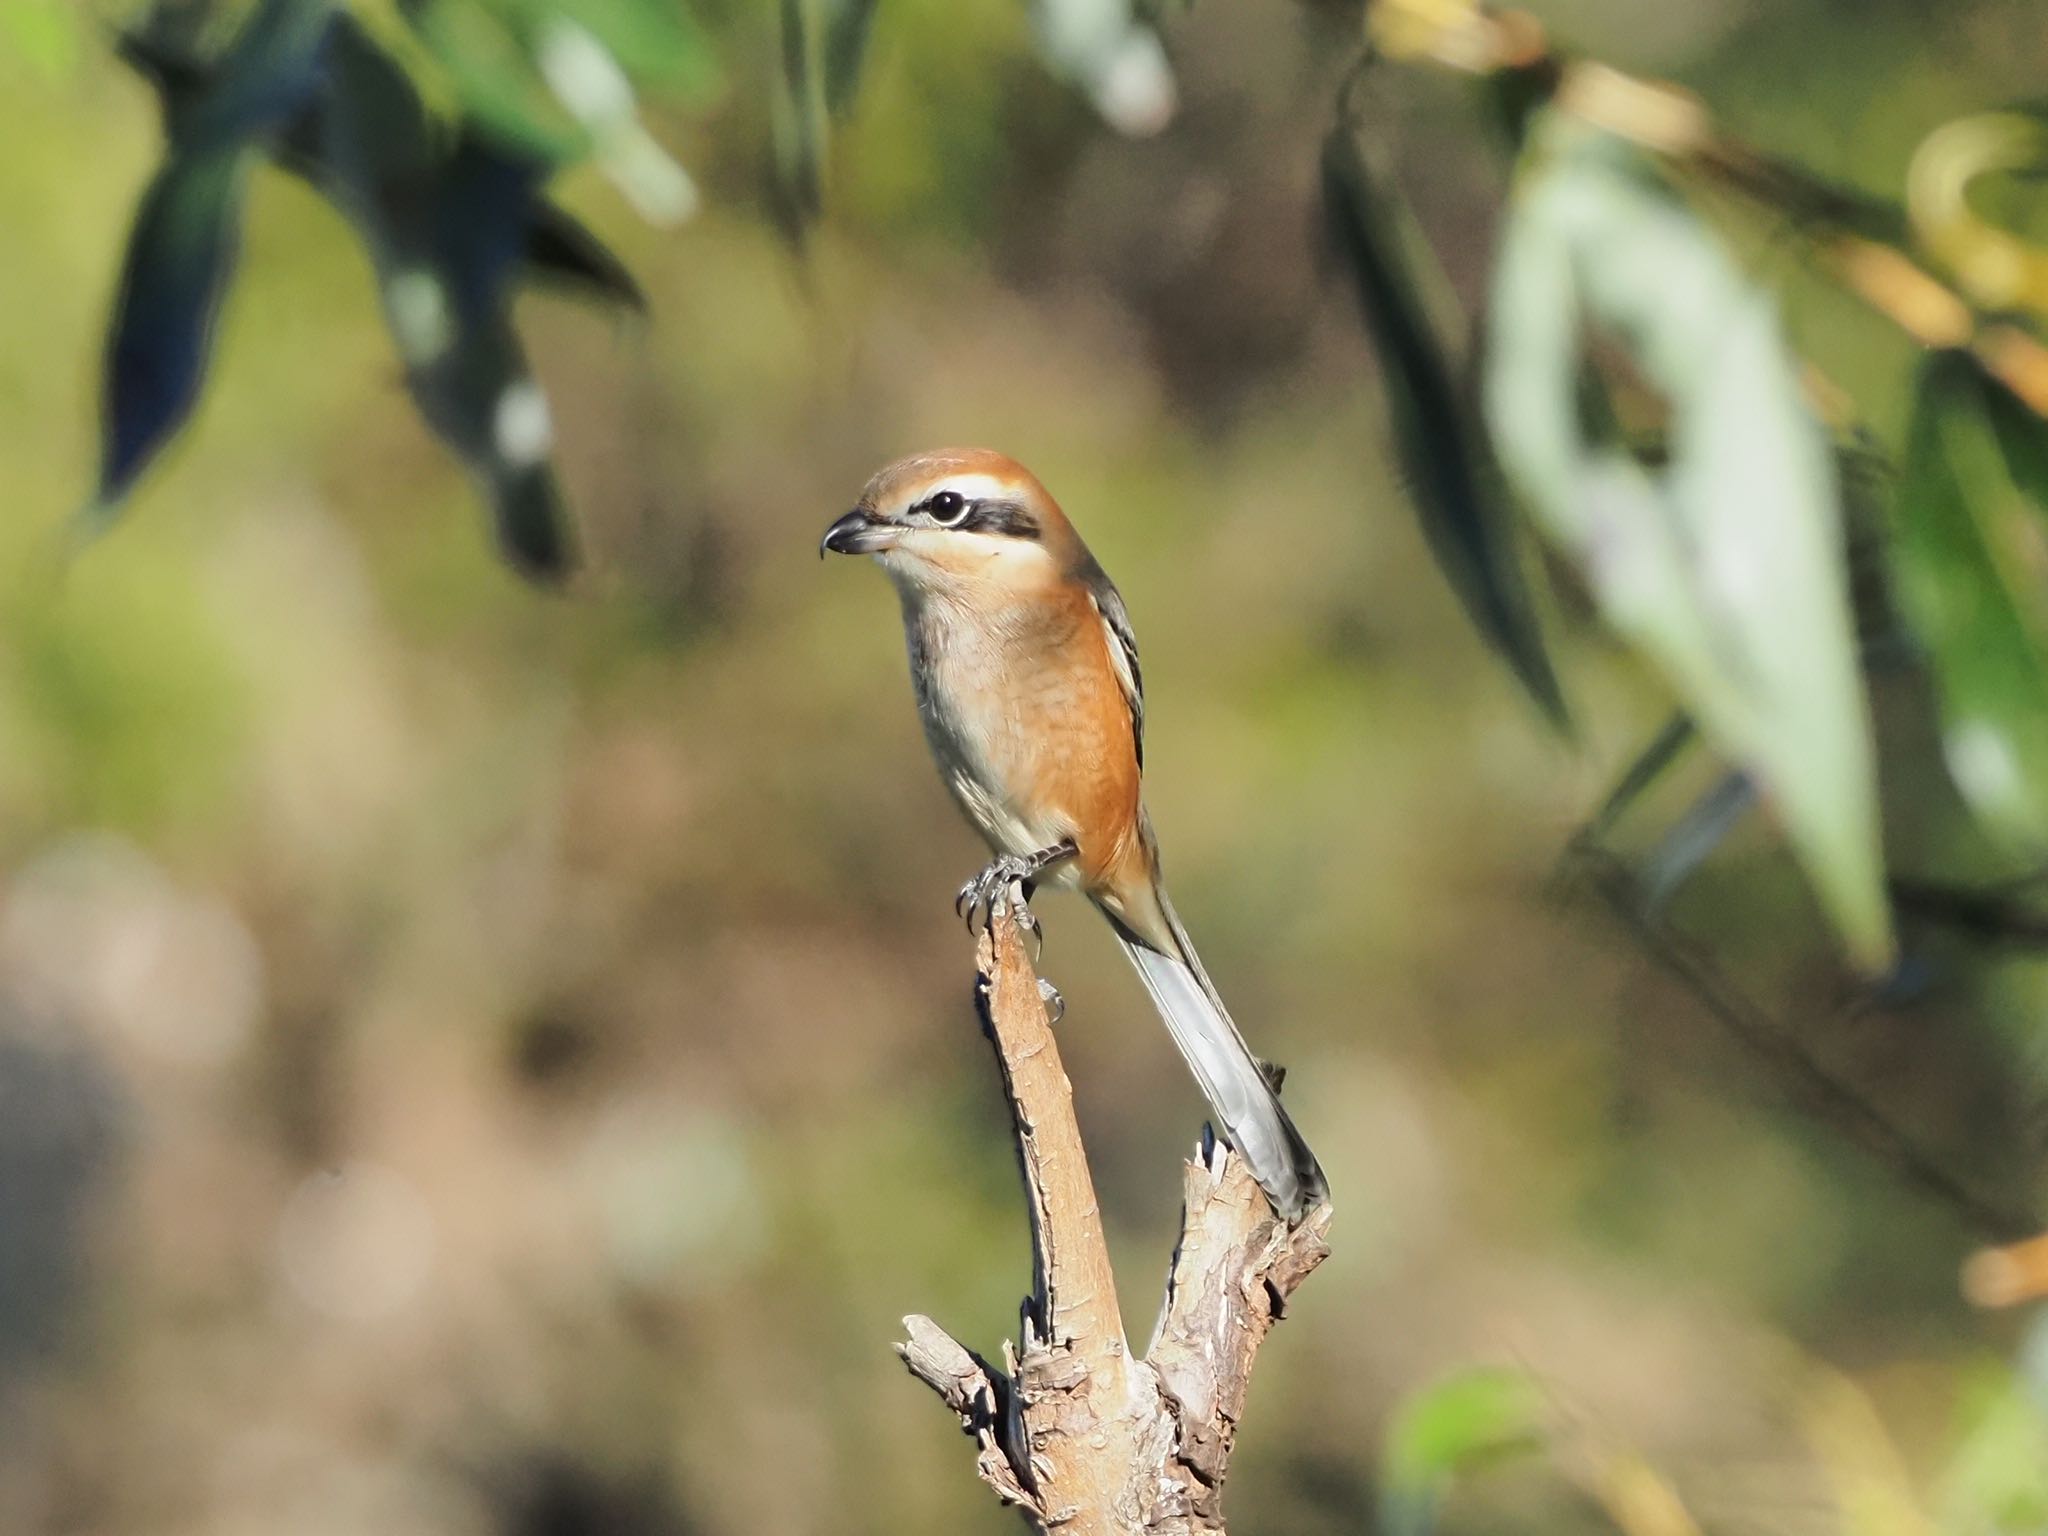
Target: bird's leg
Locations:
point(1009, 877)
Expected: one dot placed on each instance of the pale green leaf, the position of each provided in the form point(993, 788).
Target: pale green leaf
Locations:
point(1725, 567)
point(1456, 1425)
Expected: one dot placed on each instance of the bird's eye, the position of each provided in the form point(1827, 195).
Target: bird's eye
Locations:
point(948, 508)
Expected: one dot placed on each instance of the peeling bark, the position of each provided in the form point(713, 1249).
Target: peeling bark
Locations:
point(1072, 1429)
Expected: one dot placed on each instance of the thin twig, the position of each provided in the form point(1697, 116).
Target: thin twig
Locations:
point(1803, 1074)
point(1861, 243)
point(1989, 915)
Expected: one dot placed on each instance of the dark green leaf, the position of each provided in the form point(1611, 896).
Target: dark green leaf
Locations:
point(560, 250)
point(1726, 565)
point(181, 250)
point(1972, 501)
point(800, 123)
point(447, 229)
point(1444, 451)
point(450, 219)
point(846, 45)
point(180, 253)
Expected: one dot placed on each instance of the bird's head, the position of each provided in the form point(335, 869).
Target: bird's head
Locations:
point(958, 519)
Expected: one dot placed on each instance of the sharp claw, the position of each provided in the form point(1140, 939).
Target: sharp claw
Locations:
point(1049, 994)
point(1000, 884)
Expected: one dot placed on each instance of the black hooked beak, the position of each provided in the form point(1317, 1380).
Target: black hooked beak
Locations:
point(855, 534)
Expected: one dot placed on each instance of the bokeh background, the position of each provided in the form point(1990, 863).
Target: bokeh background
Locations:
point(476, 1060)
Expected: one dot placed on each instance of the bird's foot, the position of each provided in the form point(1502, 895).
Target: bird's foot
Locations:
point(1001, 884)
point(1007, 882)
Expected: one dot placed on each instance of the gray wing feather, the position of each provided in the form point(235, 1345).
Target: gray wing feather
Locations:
point(1123, 651)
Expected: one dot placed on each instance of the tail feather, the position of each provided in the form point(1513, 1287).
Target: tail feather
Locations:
point(1231, 1079)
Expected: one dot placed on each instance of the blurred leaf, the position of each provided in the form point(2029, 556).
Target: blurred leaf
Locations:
point(589, 83)
point(800, 123)
point(847, 28)
point(450, 218)
point(1457, 1425)
point(180, 253)
point(44, 32)
point(823, 43)
point(1972, 510)
point(1112, 56)
point(1996, 1477)
point(1444, 452)
point(492, 66)
point(559, 249)
point(657, 40)
point(551, 77)
point(448, 228)
point(1993, 266)
point(181, 248)
point(1727, 566)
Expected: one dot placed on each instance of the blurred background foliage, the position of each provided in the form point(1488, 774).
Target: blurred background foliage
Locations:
point(486, 1058)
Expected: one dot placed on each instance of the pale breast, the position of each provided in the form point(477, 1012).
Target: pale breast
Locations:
point(1027, 724)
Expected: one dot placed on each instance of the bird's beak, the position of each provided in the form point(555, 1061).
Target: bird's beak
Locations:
point(856, 534)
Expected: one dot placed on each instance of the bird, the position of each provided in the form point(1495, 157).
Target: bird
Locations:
point(1026, 675)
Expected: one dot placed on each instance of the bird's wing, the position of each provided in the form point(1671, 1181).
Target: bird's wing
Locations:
point(1123, 654)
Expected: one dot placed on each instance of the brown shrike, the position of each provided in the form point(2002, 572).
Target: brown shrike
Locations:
point(1027, 682)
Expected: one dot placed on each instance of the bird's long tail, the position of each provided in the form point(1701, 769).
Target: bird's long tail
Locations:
point(1230, 1076)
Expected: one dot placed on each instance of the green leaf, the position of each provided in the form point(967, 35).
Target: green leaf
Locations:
point(1444, 452)
point(654, 39)
point(1454, 1426)
point(1996, 1476)
point(559, 249)
point(849, 24)
point(448, 225)
point(551, 78)
point(823, 45)
point(181, 249)
point(490, 60)
point(592, 87)
point(800, 124)
point(1725, 566)
point(1972, 508)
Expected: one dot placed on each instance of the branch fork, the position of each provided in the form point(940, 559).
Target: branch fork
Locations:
point(1073, 1429)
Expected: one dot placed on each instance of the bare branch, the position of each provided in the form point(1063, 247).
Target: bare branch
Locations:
point(1075, 1431)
